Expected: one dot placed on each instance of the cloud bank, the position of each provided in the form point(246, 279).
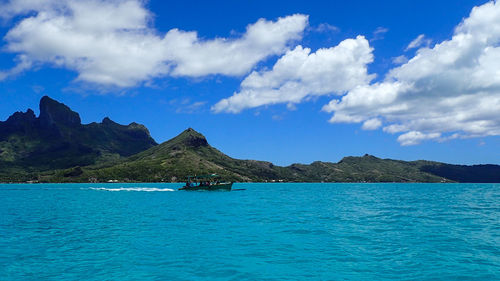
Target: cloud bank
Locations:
point(301, 74)
point(111, 42)
point(445, 91)
point(451, 90)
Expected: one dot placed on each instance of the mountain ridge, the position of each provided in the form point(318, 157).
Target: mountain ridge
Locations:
point(57, 139)
point(189, 153)
point(56, 147)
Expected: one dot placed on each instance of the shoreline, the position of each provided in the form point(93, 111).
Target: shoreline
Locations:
point(116, 183)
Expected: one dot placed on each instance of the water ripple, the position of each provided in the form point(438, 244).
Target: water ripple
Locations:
point(267, 232)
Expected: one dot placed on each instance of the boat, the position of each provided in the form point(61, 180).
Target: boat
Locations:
point(206, 182)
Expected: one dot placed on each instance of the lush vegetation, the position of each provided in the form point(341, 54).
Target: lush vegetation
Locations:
point(58, 140)
point(190, 154)
point(56, 147)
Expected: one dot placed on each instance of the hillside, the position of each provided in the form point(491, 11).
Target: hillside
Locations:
point(56, 147)
point(187, 154)
point(190, 153)
point(365, 169)
point(56, 139)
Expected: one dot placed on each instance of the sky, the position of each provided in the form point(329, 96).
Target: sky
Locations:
point(280, 81)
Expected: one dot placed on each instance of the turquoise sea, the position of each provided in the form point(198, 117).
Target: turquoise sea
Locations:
point(265, 232)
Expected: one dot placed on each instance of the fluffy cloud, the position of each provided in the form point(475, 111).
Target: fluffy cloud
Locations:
point(372, 124)
point(301, 74)
point(414, 137)
point(451, 90)
point(111, 42)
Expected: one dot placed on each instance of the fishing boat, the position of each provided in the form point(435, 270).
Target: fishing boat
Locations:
point(206, 182)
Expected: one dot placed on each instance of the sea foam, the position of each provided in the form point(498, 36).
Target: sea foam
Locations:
point(143, 189)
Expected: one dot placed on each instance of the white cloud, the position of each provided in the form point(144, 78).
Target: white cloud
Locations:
point(232, 57)
point(415, 137)
point(190, 108)
point(300, 74)
point(419, 42)
point(372, 124)
point(112, 43)
point(326, 27)
point(400, 59)
point(449, 91)
point(379, 32)
point(291, 106)
point(22, 63)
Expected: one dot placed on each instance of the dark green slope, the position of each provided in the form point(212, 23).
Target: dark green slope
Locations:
point(56, 147)
point(462, 173)
point(57, 140)
point(363, 169)
point(189, 153)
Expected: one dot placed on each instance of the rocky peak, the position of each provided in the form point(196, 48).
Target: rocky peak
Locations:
point(192, 138)
point(20, 122)
point(369, 157)
point(22, 117)
point(138, 127)
point(55, 113)
point(359, 159)
point(107, 121)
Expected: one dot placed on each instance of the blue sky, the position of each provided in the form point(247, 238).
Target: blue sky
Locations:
point(282, 81)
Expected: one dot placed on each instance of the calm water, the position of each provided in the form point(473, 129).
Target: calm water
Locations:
point(266, 232)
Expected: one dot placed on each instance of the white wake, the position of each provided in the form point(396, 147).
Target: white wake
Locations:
point(143, 189)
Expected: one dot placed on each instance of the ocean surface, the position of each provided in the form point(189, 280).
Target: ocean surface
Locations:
point(274, 231)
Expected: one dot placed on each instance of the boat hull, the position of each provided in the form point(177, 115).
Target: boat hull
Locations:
point(220, 186)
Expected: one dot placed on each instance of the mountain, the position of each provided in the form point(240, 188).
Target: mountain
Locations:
point(462, 173)
point(365, 169)
point(57, 139)
point(187, 154)
point(190, 153)
point(57, 147)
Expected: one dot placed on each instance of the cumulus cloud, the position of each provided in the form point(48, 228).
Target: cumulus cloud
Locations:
point(419, 42)
point(451, 90)
point(111, 42)
point(301, 74)
point(372, 124)
point(415, 137)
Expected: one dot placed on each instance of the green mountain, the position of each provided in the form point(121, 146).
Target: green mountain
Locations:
point(56, 147)
point(189, 153)
point(56, 139)
point(462, 173)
